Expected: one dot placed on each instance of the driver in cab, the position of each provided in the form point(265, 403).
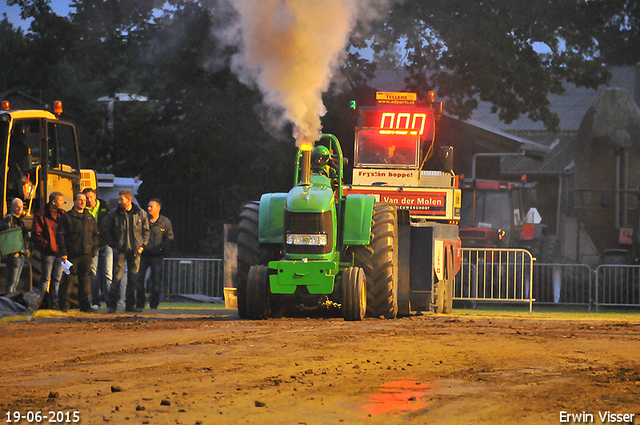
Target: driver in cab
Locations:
point(393, 157)
point(321, 164)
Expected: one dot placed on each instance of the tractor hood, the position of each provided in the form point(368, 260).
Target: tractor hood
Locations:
point(317, 197)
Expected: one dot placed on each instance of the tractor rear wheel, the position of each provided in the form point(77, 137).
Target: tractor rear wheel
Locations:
point(250, 252)
point(354, 297)
point(258, 299)
point(379, 260)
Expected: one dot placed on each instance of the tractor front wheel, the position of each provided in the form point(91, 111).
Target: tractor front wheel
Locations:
point(258, 297)
point(379, 260)
point(354, 297)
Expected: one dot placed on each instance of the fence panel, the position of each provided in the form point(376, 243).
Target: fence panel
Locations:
point(499, 275)
point(562, 284)
point(495, 275)
point(201, 276)
point(617, 285)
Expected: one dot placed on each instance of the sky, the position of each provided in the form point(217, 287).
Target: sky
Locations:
point(60, 7)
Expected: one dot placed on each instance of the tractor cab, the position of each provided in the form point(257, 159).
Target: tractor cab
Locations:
point(498, 214)
point(373, 150)
point(393, 142)
point(40, 156)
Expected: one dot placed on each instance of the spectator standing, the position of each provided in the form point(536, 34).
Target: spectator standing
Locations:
point(77, 239)
point(160, 244)
point(126, 230)
point(43, 238)
point(102, 263)
point(15, 261)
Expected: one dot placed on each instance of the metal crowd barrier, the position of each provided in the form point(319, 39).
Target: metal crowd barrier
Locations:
point(487, 275)
point(201, 276)
point(510, 275)
point(563, 284)
point(617, 285)
point(498, 275)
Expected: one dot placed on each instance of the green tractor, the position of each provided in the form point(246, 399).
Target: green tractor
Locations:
point(315, 244)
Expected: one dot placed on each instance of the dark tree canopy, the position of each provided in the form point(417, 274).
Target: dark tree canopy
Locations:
point(200, 143)
point(485, 49)
point(619, 40)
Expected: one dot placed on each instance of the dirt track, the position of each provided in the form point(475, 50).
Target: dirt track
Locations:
point(207, 367)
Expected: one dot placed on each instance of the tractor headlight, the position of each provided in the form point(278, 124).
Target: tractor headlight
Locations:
point(300, 239)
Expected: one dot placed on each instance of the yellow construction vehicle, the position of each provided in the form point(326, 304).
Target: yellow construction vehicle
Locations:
point(40, 154)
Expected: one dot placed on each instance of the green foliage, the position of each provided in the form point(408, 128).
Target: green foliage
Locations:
point(13, 73)
point(202, 142)
point(619, 39)
point(485, 49)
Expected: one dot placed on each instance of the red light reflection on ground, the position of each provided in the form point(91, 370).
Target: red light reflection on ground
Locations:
point(403, 396)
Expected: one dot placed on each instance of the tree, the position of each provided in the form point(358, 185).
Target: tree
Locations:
point(13, 72)
point(34, 68)
point(485, 49)
point(197, 143)
point(619, 41)
point(110, 35)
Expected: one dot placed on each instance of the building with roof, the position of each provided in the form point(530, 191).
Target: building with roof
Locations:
point(567, 198)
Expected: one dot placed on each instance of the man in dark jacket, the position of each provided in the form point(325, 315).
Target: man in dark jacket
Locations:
point(77, 239)
point(160, 243)
point(102, 263)
point(43, 238)
point(126, 230)
point(15, 260)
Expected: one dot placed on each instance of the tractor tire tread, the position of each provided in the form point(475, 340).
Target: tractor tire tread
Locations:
point(379, 262)
point(257, 297)
point(248, 251)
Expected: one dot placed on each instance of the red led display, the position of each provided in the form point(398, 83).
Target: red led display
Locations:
point(405, 121)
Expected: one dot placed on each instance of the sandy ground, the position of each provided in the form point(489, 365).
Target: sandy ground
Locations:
point(208, 367)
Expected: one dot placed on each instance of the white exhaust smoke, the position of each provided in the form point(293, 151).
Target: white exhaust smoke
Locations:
point(290, 49)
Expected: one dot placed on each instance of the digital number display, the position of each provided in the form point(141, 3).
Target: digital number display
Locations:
point(402, 123)
point(397, 121)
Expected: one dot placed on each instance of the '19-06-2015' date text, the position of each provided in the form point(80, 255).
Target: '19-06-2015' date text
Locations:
point(46, 417)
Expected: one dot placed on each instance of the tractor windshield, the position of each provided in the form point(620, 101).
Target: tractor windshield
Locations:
point(492, 210)
point(385, 150)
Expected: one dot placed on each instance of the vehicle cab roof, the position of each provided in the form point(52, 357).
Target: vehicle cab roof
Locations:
point(29, 113)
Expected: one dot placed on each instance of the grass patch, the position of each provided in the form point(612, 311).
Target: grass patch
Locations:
point(514, 310)
point(190, 306)
point(166, 307)
point(563, 312)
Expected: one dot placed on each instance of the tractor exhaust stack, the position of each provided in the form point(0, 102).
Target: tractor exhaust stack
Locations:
point(305, 178)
